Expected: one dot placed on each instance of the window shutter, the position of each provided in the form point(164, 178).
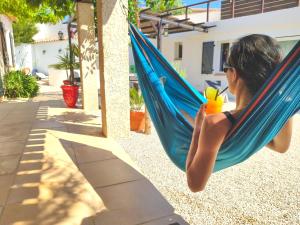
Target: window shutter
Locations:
point(207, 57)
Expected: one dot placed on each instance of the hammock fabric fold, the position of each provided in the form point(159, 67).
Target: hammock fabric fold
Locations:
point(166, 93)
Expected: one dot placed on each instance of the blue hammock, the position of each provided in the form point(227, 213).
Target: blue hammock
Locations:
point(166, 93)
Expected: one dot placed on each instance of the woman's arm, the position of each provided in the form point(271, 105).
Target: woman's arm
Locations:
point(197, 124)
point(203, 153)
point(282, 140)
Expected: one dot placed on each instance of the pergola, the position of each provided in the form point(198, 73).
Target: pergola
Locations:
point(154, 25)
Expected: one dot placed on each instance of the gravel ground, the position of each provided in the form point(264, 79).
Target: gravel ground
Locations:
point(263, 190)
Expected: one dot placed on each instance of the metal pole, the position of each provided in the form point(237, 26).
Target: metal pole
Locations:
point(233, 6)
point(191, 5)
point(207, 12)
point(186, 12)
point(71, 78)
point(158, 37)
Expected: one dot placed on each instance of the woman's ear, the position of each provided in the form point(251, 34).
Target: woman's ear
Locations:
point(234, 75)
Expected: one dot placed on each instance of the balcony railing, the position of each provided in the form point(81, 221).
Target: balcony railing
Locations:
point(238, 8)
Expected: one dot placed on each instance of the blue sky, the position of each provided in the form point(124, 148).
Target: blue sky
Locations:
point(216, 4)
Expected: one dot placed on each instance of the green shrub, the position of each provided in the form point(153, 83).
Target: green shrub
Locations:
point(1, 87)
point(17, 84)
point(136, 100)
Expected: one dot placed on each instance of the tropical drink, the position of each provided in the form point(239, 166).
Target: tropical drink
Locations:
point(214, 101)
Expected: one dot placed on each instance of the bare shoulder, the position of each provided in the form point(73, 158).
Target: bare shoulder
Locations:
point(217, 123)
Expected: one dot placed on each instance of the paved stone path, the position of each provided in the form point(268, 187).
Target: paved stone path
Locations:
point(55, 168)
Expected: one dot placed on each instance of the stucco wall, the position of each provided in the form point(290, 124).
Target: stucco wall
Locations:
point(45, 54)
point(24, 56)
point(114, 64)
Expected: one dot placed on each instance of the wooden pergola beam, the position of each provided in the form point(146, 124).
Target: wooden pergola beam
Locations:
point(171, 22)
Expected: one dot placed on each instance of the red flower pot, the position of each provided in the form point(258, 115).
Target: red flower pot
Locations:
point(137, 121)
point(66, 82)
point(70, 93)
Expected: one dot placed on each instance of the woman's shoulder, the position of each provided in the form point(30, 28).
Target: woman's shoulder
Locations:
point(217, 123)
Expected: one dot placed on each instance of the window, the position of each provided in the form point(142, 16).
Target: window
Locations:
point(207, 57)
point(178, 50)
point(224, 54)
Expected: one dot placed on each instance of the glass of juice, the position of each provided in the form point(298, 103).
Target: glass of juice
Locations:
point(214, 101)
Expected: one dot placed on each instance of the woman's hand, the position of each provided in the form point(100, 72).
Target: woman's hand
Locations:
point(200, 118)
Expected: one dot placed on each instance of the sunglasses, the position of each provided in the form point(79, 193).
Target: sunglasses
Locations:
point(226, 67)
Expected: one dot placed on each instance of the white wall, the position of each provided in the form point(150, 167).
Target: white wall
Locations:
point(24, 56)
point(46, 53)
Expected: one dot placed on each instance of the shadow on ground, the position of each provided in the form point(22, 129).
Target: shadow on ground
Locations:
point(49, 189)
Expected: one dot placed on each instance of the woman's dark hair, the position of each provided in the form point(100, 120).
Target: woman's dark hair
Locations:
point(254, 57)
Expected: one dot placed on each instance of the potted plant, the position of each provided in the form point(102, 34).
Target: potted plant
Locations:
point(68, 62)
point(137, 114)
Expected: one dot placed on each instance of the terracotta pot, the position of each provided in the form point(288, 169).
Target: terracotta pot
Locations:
point(70, 93)
point(66, 82)
point(137, 121)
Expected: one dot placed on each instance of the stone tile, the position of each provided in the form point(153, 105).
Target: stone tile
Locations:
point(12, 148)
point(13, 119)
point(26, 213)
point(84, 129)
point(29, 156)
point(85, 153)
point(169, 220)
point(62, 211)
point(132, 203)
point(27, 179)
point(18, 194)
point(29, 149)
point(15, 132)
point(8, 164)
point(109, 172)
point(30, 166)
point(46, 124)
point(35, 142)
point(37, 131)
point(69, 150)
point(36, 136)
point(5, 184)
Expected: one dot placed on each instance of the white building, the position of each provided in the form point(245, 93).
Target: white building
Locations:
point(45, 50)
point(200, 54)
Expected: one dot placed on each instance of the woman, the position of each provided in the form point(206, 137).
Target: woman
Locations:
point(252, 59)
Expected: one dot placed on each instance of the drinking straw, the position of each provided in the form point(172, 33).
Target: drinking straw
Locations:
point(217, 95)
point(223, 90)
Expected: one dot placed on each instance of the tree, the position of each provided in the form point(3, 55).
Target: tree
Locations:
point(133, 11)
point(38, 11)
point(163, 5)
point(155, 5)
point(30, 12)
point(24, 31)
